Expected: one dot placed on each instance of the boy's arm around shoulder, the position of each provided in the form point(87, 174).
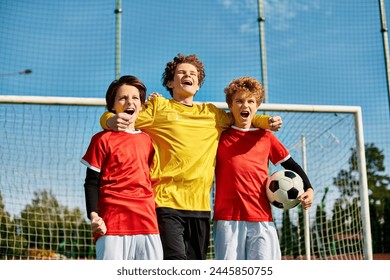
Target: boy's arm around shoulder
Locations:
point(267, 122)
point(117, 122)
point(103, 119)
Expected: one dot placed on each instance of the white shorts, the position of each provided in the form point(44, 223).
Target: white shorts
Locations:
point(129, 247)
point(240, 240)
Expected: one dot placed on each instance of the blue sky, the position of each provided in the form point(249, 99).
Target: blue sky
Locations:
point(322, 52)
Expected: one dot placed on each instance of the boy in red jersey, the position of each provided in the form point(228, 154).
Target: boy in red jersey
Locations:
point(186, 138)
point(243, 223)
point(118, 191)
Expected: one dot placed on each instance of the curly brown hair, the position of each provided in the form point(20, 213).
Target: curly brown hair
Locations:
point(248, 84)
point(170, 68)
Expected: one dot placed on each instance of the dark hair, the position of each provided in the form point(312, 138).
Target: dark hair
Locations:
point(124, 80)
point(169, 72)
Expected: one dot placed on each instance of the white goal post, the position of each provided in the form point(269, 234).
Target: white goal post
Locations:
point(42, 139)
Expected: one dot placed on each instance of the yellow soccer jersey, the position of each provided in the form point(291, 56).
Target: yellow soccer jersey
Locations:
point(186, 140)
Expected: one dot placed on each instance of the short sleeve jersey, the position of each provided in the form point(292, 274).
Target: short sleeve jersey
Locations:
point(126, 201)
point(241, 173)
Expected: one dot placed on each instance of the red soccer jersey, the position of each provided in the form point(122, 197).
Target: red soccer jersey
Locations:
point(126, 201)
point(241, 174)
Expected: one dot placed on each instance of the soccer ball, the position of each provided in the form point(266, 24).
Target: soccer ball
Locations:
point(283, 188)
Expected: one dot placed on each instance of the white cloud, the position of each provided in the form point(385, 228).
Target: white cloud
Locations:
point(279, 13)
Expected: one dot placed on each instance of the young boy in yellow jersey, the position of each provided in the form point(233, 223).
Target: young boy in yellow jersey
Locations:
point(186, 137)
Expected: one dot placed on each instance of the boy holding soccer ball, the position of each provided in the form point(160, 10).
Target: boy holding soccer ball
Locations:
point(243, 222)
point(118, 189)
point(186, 136)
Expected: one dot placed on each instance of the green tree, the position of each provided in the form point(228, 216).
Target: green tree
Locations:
point(5, 224)
point(322, 241)
point(289, 237)
point(378, 181)
point(54, 228)
point(342, 228)
point(386, 227)
point(11, 244)
point(376, 232)
point(348, 182)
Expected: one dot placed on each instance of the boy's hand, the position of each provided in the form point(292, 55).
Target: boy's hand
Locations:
point(275, 123)
point(97, 224)
point(306, 198)
point(153, 95)
point(119, 122)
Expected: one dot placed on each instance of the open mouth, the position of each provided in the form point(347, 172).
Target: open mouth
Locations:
point(187, 83)
point(244, 114)
point(130, 111)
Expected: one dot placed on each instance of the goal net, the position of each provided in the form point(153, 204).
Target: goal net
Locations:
point(42, 208)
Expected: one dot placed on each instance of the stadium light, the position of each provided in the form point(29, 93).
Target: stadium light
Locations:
point(23, 72)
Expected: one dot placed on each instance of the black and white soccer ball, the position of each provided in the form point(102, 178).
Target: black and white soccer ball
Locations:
point(283, 189)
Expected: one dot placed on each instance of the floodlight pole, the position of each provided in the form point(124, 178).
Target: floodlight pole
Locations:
point(261, 20)
point(118, 22)
point(385, 46)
